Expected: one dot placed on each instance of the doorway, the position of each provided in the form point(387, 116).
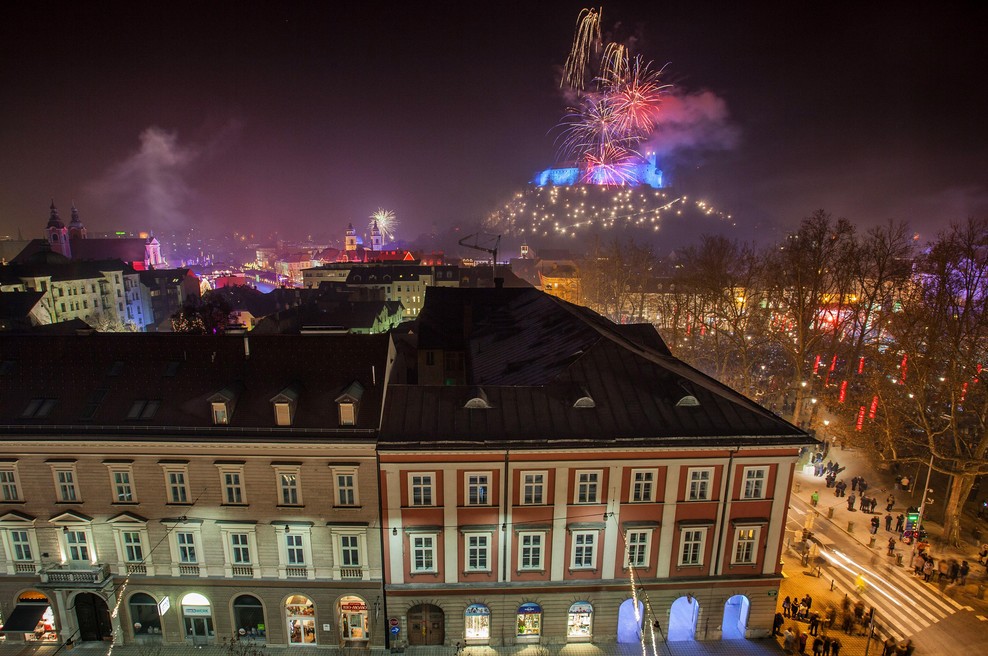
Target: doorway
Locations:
point(93, 617)
point(682, 618)
point(426, 625)
point(735, 624)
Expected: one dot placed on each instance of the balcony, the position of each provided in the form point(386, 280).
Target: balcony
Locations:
point(75, 575)
point(297, 572)
point(25, 568)
point(188, 570)
point(351, 573)
point(137, 568)
point(244, 571)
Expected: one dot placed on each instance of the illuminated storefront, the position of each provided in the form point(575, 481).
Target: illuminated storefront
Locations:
point(145, 617)
point(477, 622)
point(300, 617)
point(354, 622)
point(31, 619)
point(529, 621)
point(579, 624)
point(198, 616)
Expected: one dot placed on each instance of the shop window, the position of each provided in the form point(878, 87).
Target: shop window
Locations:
point(300, 617)
point(579, 623)
point(477, 622)
point(354, 619)
point(248, 618)
point(145, 618)
point(529, 620)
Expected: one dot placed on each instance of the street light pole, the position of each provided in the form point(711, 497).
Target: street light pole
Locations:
point(922, 509)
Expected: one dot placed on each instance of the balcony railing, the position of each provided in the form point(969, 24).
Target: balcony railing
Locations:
point(137, 568)
point(75, 575)
point(25, 568)
point(188, 570)
point(296, 571)
point(243, 570)
point(351, 573)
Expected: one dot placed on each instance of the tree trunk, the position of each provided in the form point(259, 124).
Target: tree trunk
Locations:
point(960, 490)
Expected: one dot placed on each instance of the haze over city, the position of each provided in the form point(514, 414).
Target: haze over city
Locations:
point(301, 117)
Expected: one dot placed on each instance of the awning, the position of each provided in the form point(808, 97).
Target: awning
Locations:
point(24, 619)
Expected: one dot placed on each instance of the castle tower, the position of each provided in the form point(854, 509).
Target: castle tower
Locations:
point(58, 234)
point(377, 241)
point(351, 238)
point(76, 229)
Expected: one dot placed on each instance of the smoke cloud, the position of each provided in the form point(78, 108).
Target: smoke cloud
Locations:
point(693, 121)
point(153, 183)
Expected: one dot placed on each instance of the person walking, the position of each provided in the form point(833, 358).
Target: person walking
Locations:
point(888, 522)
point(789, 642)
point(835, 646)
point(815, 498)
point(818, 646)
point(814, 623)
point(874, 525)
point(964, 571)
point(850, 502)
point(928, 569)
point(854, 483)
point(777, 624)
point(827, 642)
point(900, 523)
point(891, 546)
point(786, 606)
point(862, 486)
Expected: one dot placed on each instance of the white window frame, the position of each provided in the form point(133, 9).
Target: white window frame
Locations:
point(533, 488)
point(746, 535)
point(759, 482)
point(483, 487)
point(639, 542)
point(240, 551)
point(66, 481)
point(295, 550)
point(695, 483)
point(581, 488)
point(122, 469)
point(643, 491)
point(426, 484)
point(297, 533)
point(350, 551)
point(477, 551)
point(425, 544)
point(691, 551)
point(174, 491)
point(182, 547)
point(68, 540)
point(122, 525)
point(233, 484)
point(584, 550)
point(15, 564)
point(10, 486)
point(535, 552)
point(349, 532)
point(345, 496)
point(285, 489)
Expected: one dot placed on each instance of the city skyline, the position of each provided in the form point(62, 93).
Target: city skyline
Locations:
point(304, 118)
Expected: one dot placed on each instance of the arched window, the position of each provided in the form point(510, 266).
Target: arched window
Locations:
point(477, 620)
point(529, 620)
point(579, 623)
point(248, 618)
point(354, 621)
point(145, 617)
point(301, 620)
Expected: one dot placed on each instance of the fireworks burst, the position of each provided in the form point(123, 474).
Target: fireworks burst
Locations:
point(386, 223)
point(585, 42)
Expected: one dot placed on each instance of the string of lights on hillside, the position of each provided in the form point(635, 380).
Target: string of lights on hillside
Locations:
point(569, 210)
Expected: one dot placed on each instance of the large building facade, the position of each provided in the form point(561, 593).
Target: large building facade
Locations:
point(508, 469)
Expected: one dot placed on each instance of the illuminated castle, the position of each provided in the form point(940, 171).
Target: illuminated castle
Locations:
point(642, 172)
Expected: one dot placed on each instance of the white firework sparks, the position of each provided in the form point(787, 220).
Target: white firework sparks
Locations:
point(386, 223)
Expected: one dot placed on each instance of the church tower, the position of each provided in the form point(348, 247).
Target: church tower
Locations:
point(58, 234)
point(377, 241)
point(351, 238)
point(76, 229)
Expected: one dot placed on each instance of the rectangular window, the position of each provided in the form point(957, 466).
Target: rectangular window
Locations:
point(530, 551)
point(293, 545)
point(240, 548)
point(699, 484)
point(643, 488)
point(350, 550)
point(288, 482)
point(478, 552)
point(583, 549)
point(421, 489)
point(587, 487)
point(176, 479)
point(478, 489)
point(65, 479)
point(424, 553)
point(346, 489)
point(533, 488)
point(21, 543)
point(123, 489)
point(746, 540)
point(133, 549)
point(77, 546)
point(692, 547)
point(9, 489)
point(186, 547)
point(233, 491)
point(754, 482)
point(637, 548)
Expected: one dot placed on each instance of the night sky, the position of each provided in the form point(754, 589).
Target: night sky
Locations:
point(302, 116)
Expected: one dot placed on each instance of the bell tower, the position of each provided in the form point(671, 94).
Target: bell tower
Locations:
point(57, 233)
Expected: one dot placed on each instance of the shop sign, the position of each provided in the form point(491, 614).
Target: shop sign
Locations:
point(195, 611)
point(354, 606)
point(479, 609)
point(581, 607)
point(529, 609)
point(164, 605)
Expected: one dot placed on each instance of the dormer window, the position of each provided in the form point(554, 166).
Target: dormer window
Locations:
point(584, 400)
point(478, 400)
point(223, 403)
point(348, 403)
point(284, 403)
